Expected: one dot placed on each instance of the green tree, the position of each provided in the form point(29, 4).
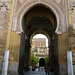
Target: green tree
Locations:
point(46, 59)
point(34, 60)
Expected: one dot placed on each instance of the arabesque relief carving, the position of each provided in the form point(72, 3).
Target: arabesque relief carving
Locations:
point(57, 1)
point(71, 6)
point(21, 1)
point(20, 10)
point(4, 7)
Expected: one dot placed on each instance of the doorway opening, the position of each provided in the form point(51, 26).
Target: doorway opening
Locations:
point(39, 50)
point(39, 19)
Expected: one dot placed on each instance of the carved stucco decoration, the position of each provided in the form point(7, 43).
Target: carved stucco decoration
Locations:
point(5, 7)
point(17, 22)
point(21, 1)
point(57, 1)
point(71, 5)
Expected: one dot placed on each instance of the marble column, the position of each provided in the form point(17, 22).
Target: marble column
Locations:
point(69, 63)
point(5, 63)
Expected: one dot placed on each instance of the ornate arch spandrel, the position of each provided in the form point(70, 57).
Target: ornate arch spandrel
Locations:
point(28, 4)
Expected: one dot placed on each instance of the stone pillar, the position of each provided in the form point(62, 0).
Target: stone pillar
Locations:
point(21, 55)
point(51, 53)
point(5, 63)
point(69, 63)
point(29, 55)
point(27, 58)
point(56, 54)
point(51, 56)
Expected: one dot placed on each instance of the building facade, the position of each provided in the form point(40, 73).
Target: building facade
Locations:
point(39, 47)
point(20, 20)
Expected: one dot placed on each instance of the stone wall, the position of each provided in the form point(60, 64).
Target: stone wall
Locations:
point(74, 69)
point(4, 11)
point(13, 39)
point(63, 70)
point(63, 47)
point(71, 14)
point(8, 40)
point(13, 68)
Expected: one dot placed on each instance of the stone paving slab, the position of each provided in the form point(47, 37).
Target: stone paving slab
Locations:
point(33, 73)
point(36, 73)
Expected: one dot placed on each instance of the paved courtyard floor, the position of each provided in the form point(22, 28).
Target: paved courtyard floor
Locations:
point(33, 73)
point(36, 73)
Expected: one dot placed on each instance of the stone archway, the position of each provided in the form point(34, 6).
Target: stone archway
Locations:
point(42, 62)
point(32, 26)
point(40, 32)
point(21, 7)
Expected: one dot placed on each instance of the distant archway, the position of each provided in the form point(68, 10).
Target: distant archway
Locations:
point(42, 62)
